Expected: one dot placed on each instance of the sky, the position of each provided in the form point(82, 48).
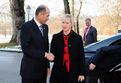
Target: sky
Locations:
point(89, 7)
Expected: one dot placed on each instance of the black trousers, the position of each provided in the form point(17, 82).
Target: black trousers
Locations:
point(108, 77)
point(41, 80)
point(25, 80)
point(92, 78)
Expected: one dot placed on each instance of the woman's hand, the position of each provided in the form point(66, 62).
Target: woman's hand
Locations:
point(81, 78)
point(92, 66)
point(48, 71)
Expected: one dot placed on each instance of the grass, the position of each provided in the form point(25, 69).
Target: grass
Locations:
point(8, 45)
point(3, 45)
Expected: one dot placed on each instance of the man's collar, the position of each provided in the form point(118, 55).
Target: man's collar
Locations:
point(38, 24)
point(89, 26)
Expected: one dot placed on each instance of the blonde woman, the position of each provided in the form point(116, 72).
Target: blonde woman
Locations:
point(67, 47)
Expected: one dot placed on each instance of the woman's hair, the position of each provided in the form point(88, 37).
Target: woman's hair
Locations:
point(68, 16)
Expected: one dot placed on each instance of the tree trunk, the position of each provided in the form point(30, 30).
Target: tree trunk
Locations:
point(72, 13)
point(77, 16)
point(77, 25)
point(67, 11)
point(18, 18)
point(66, 7)
point(72, 7)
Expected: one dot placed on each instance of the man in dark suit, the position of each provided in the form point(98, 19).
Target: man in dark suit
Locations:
point(104, 60)
point(90, 33)
point(35, 46)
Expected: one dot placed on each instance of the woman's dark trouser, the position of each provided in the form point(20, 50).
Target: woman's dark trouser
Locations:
point(65, 74)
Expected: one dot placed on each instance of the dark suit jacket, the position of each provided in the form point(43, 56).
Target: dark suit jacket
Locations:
point(76, 55)
point(34, 64)
point(106, 58)
point(91, 36)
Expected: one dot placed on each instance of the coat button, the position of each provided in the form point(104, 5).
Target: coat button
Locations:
point(65, 37)
point(66, 60)
point(69, 45)
point(65, 45)
point(64, 52)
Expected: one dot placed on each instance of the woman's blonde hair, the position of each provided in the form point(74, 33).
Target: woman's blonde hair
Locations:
point(68, 16)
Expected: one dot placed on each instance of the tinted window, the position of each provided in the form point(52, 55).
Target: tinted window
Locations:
point(118, 42)
point(104, 42)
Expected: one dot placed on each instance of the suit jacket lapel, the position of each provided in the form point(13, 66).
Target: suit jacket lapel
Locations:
point(45, 31)
point(36, 28)
point(90, 29)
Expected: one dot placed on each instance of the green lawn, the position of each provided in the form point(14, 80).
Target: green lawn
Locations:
point(8, 45)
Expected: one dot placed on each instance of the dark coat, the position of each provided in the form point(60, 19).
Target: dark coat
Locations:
point(34, 64)
point(76, 54)
point(106, 58)
point(91, 36)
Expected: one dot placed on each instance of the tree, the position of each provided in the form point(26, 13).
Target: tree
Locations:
point(77, 18)
point(111, 10)
point(18, 18)
point(72, 7)
point(5, 24)
point(66, 7)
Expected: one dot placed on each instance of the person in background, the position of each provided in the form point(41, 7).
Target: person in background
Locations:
point(34, 42)
point(90, 33)
point(69, 61)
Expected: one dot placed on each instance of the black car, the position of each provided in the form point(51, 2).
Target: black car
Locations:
point(91, 49)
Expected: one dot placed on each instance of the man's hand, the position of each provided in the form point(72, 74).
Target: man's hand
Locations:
point(50, 56)
point(81, 78)
point(84, 42)
point(48, 71)
point(92, 66)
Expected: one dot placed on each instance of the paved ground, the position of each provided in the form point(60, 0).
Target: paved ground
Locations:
point(10, 66)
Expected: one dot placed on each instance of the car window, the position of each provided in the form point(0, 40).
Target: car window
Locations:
point(118, 42)
point(104, 42)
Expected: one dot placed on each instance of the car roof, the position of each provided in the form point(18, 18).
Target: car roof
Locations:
point(105, 42)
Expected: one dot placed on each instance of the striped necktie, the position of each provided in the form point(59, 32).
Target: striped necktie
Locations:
point(41, 29)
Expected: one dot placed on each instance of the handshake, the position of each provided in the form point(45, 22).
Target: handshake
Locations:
point(50, 56)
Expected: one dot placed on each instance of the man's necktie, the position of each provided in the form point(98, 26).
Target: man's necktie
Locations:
point(41, 29)
point(85, 34)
